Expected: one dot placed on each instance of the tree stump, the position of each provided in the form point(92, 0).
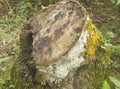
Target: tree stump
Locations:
point(53, 48)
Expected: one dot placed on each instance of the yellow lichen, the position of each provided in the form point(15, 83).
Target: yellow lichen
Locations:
point(95, 46)
point(93, 40)
point(91, 51)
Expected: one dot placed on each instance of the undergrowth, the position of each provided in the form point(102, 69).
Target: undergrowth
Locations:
point(10, 25)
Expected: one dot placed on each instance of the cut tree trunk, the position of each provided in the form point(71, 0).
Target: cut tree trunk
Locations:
point(52, 50)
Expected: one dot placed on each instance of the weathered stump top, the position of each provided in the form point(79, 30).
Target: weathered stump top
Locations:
point(56, 30)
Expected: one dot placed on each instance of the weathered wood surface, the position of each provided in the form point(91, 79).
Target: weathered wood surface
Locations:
point(56, 30)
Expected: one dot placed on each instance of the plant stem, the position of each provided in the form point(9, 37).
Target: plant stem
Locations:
point(8, 4)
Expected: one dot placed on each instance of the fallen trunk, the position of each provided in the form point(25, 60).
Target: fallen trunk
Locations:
point(53, 49)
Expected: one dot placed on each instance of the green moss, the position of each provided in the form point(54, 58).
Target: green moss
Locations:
point(17, 83)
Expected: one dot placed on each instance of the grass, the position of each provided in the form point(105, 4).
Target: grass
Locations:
point(10, 28)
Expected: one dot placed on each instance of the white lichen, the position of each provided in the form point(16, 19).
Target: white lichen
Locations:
point(59, 70)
